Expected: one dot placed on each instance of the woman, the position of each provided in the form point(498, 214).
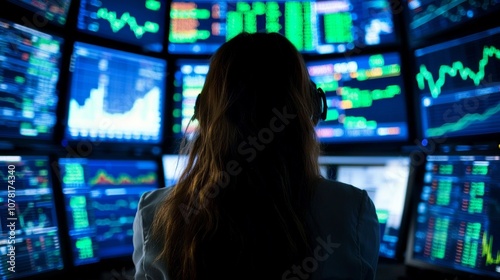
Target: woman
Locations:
point(251, 203)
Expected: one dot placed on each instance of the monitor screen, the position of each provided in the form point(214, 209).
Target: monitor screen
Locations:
point(115, 96)
point(457, 221)
point(386, 181)
point(29, 72)
point(139, 23)
point(101, 198)
point(459, 86)
point(29, 235)
point(315, 27)
point(429, 17)
point(188, 82)
point(173, 166)
point(53, 10)
point(365, 97)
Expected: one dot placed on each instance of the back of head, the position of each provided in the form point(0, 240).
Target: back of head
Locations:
point(253, 160)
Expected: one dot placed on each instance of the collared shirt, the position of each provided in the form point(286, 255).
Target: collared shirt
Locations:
point(342, 220)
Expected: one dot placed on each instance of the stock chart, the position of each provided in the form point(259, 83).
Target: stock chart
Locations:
point(29, 72)
point(428, 17)
point(312, 26)
point(135, 22)
point(115, 96)
point(37, 244)
point(53, 10)
point(459, 86)
point(365, 97)
point(459, 214)
point(101, 198)
point(189, 80)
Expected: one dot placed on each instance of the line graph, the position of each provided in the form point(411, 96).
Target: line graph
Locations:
point(425, 77)
point(463, 123)
point(459, 85)
point(487, 250)
point(138, 22)
point(118, 24)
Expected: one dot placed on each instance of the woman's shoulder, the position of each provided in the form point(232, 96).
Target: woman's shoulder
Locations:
point(334, 191)
point(150, 199)
point(340, 202)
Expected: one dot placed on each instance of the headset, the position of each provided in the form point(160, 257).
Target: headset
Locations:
point(319, 104)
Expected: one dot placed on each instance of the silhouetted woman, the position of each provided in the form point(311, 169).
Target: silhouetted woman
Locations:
point(251, 203)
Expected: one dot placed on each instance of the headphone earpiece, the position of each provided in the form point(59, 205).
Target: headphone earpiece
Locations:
point(320, 105)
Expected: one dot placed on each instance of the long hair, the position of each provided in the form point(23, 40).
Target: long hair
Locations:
point(239, 208)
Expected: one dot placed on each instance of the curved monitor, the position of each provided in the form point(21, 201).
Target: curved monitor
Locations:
point(459, 86)
point(101, 198)
point(456, 225)
point(430, 17)
point(52, 10)
point(115, 96)
point(140, 23)
point(189, 79)
point(316, 27)
point(29, 234)
point(386, 179)
point(365, 96)
point(29, 72)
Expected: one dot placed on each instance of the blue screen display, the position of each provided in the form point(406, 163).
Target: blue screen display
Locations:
point(365, 97)
point(315, 27)
point(457, 224)
point(459, 86)
point(429, 17)
point(29, 72)
point(139, 23)
point(189, 79)
point(101, 198)
point(386, 180)
point(115, 96)
point(29, 234)
point(53, 10)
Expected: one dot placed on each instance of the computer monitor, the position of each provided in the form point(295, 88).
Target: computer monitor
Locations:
point(365, 96)
point(101, 198)
point(173, 166)
point(386, 180)
point(456, 222)
point(115, 96)
point(189, 79)
point(430, 17)
point(140, 23)
point(316, 27)
point(52, 10)
point(29, 72)
point(459, 86)
point(29, 236)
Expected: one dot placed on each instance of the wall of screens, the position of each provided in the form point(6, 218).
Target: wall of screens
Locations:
point(86, 80)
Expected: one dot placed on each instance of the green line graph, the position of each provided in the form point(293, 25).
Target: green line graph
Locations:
point(119, 23)
point(464, 122)
point(457, 68)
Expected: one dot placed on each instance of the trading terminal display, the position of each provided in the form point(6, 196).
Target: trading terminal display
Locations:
point(459, 86)
point(29, 232)
point(139, 23)
point(312, 26)
point(359, 90)
point(101, 198)
point(29, 72)
point(386, 180)
point(457, 225)
point(52, 10)
point(115, 96)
